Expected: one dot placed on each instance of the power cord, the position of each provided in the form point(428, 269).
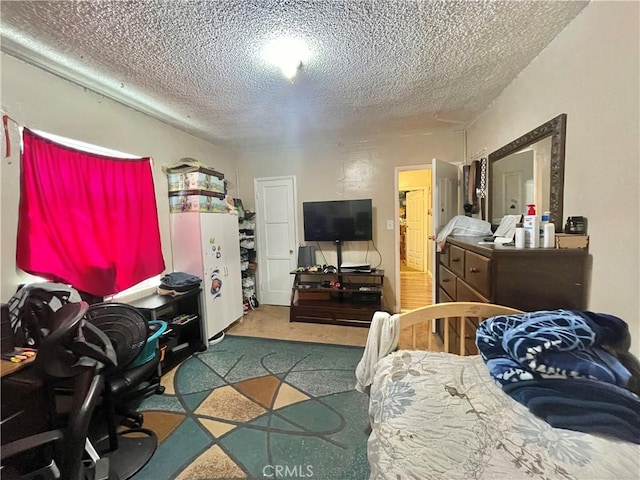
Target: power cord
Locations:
point(379, 254)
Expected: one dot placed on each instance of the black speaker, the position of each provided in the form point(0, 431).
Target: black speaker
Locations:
point(306, 256)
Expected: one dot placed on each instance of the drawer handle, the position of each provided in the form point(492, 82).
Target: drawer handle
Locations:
point(473, 270)
point(445, 280)
point(455, 259)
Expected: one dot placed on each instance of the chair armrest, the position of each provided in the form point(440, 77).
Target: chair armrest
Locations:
point(29, 443)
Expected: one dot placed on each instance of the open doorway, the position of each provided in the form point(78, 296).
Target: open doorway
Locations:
point(415, 207)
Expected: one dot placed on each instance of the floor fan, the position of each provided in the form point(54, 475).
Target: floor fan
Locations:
point(130, 449)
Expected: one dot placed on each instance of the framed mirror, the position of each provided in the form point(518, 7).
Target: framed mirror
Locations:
point(529, 170)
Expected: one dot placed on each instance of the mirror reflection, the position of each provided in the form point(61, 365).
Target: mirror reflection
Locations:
point(520, 179)
point(529, 170)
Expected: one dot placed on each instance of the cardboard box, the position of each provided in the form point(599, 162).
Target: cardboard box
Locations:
point(197, 201)
point(193, 178)
point(569, 240)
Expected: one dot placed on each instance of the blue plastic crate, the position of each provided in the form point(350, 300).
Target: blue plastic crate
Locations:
point(149, 350)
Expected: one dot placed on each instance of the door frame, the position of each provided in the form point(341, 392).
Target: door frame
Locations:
point(260, 223)
point(396, 206)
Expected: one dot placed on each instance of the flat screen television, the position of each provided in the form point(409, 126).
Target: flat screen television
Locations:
point(343, 220)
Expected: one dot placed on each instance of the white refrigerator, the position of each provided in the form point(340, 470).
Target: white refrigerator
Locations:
point(208, 245)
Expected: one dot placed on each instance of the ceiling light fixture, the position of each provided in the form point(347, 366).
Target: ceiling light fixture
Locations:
point(286, 53)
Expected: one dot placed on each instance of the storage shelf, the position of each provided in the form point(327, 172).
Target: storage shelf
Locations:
point(247, 228)
point(373, 273)
point(317, 287)
point(182, 340)
point(349, 305)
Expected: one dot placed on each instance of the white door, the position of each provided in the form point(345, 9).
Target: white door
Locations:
point(276, 242)
point(222, 290)
point(415, 230)
point(445, 187)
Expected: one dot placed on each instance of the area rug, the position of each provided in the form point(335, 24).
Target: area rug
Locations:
point(260, 408)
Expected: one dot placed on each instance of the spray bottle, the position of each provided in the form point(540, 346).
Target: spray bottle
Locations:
point(531, 225)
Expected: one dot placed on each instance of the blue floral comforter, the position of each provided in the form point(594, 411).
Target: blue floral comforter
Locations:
point(558, 363)
point(442, 417)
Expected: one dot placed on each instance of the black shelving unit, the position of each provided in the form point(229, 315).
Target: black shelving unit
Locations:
point(183, 315)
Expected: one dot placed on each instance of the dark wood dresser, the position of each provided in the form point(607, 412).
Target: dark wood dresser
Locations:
point(527, 279)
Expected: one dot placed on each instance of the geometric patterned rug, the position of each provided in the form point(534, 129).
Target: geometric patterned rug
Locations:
point(260, 408)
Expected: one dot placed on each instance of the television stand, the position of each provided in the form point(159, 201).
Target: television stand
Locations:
point(336, 298)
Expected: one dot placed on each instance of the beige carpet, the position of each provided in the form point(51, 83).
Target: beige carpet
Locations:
point(270, 321)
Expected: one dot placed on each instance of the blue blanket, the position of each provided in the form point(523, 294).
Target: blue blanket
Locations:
point(558, 363)
point(581, 405)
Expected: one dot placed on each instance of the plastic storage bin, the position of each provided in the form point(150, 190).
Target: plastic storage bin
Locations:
point(197, 201)
point(149, 350)
point(193, 178)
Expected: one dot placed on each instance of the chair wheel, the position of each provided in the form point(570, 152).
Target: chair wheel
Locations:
point(160, 390)
point(138, 419)
point(133, 420)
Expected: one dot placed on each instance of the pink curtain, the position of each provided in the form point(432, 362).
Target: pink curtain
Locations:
point(85, 219)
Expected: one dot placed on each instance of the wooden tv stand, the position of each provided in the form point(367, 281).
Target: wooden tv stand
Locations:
point(315, 299)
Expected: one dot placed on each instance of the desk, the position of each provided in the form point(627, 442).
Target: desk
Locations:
point(24, 405)
point(8, 368)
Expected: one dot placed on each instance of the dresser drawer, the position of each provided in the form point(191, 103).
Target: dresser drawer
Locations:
point(448, 282)
point(454, 338)
point(464, 293)
point(470, 336)
point(443, 297)
point(478, 272)
point(456, 260)
point(444, 257)
point(455, 334)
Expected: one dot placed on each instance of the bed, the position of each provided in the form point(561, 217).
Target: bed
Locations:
point(442, 416)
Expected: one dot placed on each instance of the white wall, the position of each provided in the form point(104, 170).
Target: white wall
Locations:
point(590, 71)
point(42, 101)
point(350, 170)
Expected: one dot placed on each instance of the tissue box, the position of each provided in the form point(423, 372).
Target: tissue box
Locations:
point(197, 201)
point(571, 240)
point(194, 178)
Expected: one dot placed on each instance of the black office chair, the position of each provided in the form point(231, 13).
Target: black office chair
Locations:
point(33, 309)
point(65, 354)
point(128, 330)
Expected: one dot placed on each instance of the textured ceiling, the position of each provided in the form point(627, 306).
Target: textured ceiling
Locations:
point(376, 66)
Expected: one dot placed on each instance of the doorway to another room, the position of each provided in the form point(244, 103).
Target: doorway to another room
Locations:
point(415, 202)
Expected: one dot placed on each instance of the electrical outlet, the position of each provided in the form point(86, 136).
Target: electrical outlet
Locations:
point(389, 224)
